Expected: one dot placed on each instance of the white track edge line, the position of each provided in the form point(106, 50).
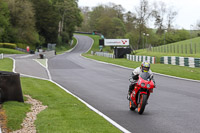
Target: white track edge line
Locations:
point(88, 105)
point(46, 67)
point(40, 62)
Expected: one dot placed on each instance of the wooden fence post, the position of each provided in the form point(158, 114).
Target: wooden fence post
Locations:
point(185, 48)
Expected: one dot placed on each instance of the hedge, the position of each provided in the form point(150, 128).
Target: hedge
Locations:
point(8, 45)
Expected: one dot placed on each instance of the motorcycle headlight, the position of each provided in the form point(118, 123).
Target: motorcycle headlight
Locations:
point(148, 85)
point(143, 84)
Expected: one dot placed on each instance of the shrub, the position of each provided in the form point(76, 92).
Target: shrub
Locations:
point(8, 45)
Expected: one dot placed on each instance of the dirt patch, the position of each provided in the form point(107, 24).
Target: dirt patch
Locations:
point(3, 120)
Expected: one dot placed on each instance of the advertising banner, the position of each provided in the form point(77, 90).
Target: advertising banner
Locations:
point(116, 42)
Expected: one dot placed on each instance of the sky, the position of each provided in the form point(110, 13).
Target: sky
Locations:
point(188, 10)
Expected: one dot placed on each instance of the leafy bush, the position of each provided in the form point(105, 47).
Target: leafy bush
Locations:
point(8, 45)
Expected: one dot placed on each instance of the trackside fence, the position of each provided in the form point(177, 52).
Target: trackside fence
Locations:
point(104, 54)
point(1, 56)
point(181, 61)
point(138, 58)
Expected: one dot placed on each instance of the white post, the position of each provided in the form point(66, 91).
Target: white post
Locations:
point(1, 57)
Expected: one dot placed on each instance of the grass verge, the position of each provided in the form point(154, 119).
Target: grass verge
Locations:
point(158, 55)
point(6, 64)
point(63, 49)
point(178, 71)
point(15, 113)
point(64, 113)
point(10, 51)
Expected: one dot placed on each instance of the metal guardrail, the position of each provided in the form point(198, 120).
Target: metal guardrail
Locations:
point(104, 54)
point(21, 49)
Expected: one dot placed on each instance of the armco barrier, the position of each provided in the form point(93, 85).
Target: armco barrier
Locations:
point(104, 54)
point(181, 61)
point(138, 58)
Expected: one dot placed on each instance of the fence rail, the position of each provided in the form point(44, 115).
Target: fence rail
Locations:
point(104, 54)
point(178, 48)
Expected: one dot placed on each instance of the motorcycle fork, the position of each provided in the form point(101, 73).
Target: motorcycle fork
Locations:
point(138, 98)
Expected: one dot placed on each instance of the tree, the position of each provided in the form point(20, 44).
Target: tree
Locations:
point(47, 19)
point(119, 28)
point(4, 21)
point(171, 14)
point(105, 26)
point(22, 18)
point(143, 14)
point(130, 21)
point(133, 37)
point(159, 13)
point(85, 23)
point(69, 18)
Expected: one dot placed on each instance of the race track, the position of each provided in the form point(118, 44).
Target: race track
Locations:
point(173, 107)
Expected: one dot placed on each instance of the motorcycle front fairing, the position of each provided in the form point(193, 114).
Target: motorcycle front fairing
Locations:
point(144, 85)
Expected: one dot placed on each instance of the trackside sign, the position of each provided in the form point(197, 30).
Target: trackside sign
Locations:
point(116, 42)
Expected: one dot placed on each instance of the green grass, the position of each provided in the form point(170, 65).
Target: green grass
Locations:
point(63, 49)
point(178, 71)
point(182, 47)
point(174, 49)
point(10, 51)
point(6, 64)
point(158, 55)
point(42, 61)
point(95, 46)
point(65, 114)
point(15, 112)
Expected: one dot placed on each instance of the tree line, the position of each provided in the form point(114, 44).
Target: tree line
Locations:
point(113, 22)
point(38, 22)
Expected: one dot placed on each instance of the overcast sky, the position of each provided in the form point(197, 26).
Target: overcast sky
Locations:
point(188, 10)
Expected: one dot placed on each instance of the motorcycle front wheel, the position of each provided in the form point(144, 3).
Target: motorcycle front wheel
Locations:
point(131, 106)
point(142, 104)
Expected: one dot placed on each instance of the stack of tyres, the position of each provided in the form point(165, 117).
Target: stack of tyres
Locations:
point(10, 87)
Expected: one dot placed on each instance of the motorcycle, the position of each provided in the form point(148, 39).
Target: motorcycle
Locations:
point(142, 89)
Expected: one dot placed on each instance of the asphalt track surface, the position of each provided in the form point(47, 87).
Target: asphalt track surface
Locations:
point(173, 107)
point(25, 65)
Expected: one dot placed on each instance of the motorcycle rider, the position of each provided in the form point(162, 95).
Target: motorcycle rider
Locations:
point(145, 67)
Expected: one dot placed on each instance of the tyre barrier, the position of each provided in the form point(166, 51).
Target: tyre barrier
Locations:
point(137, 58)
point(181, 61)
point(10, 87)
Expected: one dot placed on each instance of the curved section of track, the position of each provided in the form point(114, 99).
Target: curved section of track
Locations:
point(173, 107)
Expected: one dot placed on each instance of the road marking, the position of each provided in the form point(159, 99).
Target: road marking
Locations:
point(41, 63)
point(25, 56)
point(46, 67)
point(88, 105)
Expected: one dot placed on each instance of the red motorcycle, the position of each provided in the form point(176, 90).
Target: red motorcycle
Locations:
point(139, 96)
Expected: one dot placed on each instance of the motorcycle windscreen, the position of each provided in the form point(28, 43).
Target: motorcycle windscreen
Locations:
point(145, 75)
